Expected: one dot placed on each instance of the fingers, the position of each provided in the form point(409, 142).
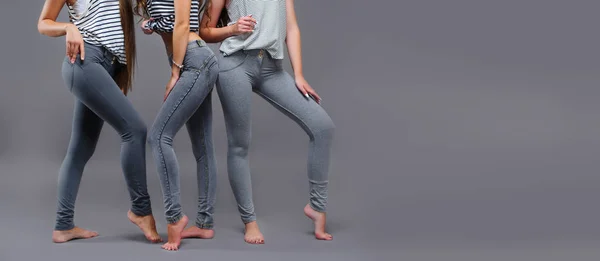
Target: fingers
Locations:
point(68, 50)
point(72, 52)
point(73, 49)
point(314, 94)
point(145, 28)
point(82, 51)
point(248, 18)
point(166, 95)
point(308, 91)
point(246, 24)
point(302, 90)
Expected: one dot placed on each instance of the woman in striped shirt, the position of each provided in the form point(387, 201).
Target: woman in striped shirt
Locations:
point(187, 102)
point(98, 70)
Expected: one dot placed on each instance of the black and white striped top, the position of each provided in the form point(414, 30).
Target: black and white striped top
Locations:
point(99, 22)
point(162, 13)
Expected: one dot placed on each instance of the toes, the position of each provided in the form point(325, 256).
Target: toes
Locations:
point(154, 239)
point(89, 234)
point(170, 246)
point(324, 236)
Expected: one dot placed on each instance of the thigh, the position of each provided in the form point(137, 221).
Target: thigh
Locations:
point(200, 128)
point(279, 89)
point(184, 100)
point(86, 128)
point(235, 89)
point(95, 88)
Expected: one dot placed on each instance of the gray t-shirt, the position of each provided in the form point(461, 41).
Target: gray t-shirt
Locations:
point(269, 33)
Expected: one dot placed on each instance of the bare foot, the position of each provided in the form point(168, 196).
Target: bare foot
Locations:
point(319, 219)
point(147, 225)
point(253, 235)
point(75, 233)
point(174, 231)
point(196, 232)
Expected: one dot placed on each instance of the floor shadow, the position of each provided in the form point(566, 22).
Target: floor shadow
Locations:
point(333, 227)
point(133, 237)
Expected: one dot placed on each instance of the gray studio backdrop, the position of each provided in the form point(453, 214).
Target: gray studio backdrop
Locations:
point(464, 122)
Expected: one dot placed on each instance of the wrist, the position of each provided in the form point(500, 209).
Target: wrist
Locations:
point(175, 71)
point(298, 75)
point(175, 68)
point(231, 31)
point(69, 27)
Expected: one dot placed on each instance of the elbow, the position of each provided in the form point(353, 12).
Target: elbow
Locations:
point(203, 33)
point(182, 26)
point(206, 36)
point(40, 27)
point(293, 32)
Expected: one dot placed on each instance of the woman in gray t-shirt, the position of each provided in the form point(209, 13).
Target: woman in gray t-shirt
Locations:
point(253, 33)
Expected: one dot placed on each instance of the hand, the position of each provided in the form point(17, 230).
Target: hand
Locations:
point(244, 25)
point(170, 85)
point(145, 27)
point(74, 43)
point(305, 89)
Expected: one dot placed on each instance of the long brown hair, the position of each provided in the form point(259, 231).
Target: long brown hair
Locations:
point(141, 9)
point(124, 77)
point(223, 17)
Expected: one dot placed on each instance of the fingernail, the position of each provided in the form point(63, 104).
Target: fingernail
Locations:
point(306, 95)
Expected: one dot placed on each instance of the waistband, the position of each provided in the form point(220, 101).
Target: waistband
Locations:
point(191, 45)
point(256, 52)
point(196, 43)
point(101, 50)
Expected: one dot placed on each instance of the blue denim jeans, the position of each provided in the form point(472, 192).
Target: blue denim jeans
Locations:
point(99, 99)
point(188, 103)
point(244, 72)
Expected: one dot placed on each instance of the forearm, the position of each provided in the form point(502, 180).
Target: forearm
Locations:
point(180, 39)
point(215, 35)
point(295, 51)
point(52, 28)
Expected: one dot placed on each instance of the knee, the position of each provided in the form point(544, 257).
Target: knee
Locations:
point(324, 130)
point(239, 149)
point(136, 131)
point(156, 139)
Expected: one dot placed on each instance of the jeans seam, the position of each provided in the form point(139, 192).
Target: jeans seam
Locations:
point(204, 63)
point(162, 158)
point(205, 152)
